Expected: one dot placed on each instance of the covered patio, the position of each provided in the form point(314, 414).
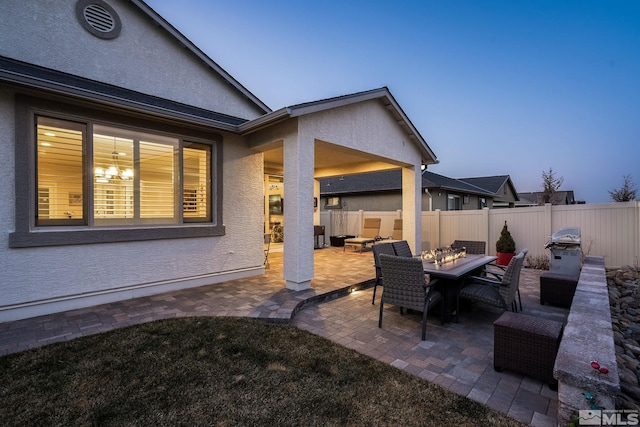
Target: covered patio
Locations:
point(337, 306)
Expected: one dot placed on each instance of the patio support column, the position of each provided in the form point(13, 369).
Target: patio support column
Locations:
point(298, 212)
point(412, 208)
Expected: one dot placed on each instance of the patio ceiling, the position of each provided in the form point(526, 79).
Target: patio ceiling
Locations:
point(332, 160)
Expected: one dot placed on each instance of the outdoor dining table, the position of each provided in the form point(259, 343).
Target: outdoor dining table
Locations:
point(452, 274)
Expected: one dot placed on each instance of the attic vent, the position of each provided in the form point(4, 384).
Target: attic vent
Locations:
point(97, 17)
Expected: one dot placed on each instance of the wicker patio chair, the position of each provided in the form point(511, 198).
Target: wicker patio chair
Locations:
point(473, 247)
point(370, 231)
point(406, 286)
point(497, 271)
point(498, 293)
point(401, 247)
point(378, 249)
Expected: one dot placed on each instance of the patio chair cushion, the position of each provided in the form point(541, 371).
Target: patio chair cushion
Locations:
point(370, 231)
point(496, 292)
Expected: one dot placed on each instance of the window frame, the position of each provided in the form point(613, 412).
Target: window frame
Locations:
point(457, 202)
point(27, 234)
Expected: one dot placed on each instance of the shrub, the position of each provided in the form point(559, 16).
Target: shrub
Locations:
point(505, 243)
point(539, 262)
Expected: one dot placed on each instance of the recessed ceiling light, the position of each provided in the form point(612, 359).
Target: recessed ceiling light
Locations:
point(45, 144)
point(49, 134)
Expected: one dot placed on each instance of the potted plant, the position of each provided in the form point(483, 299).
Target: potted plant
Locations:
point(505, 246)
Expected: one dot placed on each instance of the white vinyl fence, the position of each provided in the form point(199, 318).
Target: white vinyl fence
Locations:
point(610, 230)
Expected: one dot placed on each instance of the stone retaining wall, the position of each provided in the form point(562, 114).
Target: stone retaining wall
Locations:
point(587, 337)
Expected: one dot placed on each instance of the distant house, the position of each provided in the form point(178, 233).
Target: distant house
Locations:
point(380, 191)
point(505, 194)
point(536, 198)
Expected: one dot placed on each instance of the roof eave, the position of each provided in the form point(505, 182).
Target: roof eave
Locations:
point(264, 121)
point(58, 88)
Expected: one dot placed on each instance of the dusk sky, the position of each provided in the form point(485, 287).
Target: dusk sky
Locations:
point(495, 87)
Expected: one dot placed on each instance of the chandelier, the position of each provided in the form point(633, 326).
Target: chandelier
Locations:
point(113, 172)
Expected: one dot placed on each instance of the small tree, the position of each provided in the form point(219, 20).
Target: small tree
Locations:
point(550, 185)
point(505, 243)
point(626, 193)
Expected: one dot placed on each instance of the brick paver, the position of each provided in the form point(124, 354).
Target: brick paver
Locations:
point(457, 356)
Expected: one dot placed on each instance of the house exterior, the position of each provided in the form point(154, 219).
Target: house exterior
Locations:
point(505, 194)
point(536, 198)
point(381, 191)
point(133, 164)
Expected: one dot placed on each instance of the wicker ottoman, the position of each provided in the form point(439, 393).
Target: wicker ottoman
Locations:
point(557, 289)
point(527, 345)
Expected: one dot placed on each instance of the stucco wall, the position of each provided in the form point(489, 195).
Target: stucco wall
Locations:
point(365, 126)
point(43, 273)
point(144, 57)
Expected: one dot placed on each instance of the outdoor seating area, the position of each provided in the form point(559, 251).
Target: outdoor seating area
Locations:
point(457, 356)
point(370, 232)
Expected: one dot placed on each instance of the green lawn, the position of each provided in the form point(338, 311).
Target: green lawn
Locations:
point(220, 371)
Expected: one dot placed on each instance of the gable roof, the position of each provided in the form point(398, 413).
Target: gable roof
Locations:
point(493, 183)
point(382, 94)
point(34, 76)
point(163, 23)
point(435, 181)
point(391, 180)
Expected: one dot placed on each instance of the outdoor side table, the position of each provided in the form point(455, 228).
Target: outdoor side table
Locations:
point(557, 289)
point(526, 344)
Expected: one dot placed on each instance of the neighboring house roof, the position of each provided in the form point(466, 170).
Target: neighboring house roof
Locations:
point(382, 94)
point(493, 184)
point(392, 181)
point(200, 54)
point(36, 77)
point(535, 198)
point(434, 181)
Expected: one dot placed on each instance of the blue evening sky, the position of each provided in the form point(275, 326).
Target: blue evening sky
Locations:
point(511, 87)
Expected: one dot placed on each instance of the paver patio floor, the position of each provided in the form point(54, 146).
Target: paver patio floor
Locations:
point(458, 356)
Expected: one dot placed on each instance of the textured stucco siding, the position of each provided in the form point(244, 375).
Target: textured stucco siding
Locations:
point(365, 126)
point(44, 273)
point(144, 58)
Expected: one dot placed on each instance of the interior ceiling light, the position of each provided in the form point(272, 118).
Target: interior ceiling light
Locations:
point(113, 171)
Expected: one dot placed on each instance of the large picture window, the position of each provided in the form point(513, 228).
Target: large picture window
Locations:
point(93, 181)
point(134, 176)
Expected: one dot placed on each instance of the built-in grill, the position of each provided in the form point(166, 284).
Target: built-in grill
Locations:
point(566, 252)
